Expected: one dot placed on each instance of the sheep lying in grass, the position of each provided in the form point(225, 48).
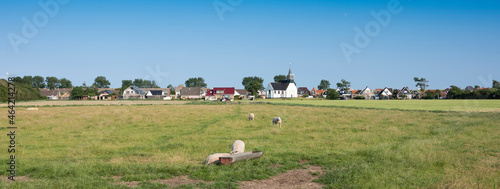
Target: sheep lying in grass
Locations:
point(214, 158)
point(238, 147)
point(277, 120)
point(251, 117)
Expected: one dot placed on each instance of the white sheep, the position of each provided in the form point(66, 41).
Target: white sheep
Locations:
point(251, 117)
point(277, 120)
point(238, 147)
point(214, 158)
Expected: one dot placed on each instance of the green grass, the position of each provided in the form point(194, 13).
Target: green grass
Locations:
point(423, 105)
point(84, 147)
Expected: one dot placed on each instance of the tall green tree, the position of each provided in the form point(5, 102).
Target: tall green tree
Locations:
point(421, 82)
point(125, 84)
point(279, 78)
point(28, 80)
point(101, 82)
point(172, 89)
point(324, 84)
point(344, 84)
point(38, 82)
point(496, 84)
point(253, 84)
point(65, 83)
point(195, 82)
point(92, 90)
point(455, 92)
point(332, 94)
point(138, 83)
point(52, 82)
point(77, 93)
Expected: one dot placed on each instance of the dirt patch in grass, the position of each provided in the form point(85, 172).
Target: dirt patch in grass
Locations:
point(173, 182)
point(16, 178)
point(131, 184)
point(299, 178)
point(180, 180)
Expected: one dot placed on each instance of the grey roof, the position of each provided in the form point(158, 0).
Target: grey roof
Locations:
point(242, 91)
point(191, 91)
point(156, 92)
point(48, 92)
point(280, 86)
point(138, 89)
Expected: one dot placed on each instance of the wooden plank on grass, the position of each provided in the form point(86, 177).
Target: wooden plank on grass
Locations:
point(225, 160)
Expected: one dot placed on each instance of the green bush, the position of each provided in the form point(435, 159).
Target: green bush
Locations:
point(332, 94)
point(359, 97)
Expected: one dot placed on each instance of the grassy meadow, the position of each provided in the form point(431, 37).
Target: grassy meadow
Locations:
point(469, 105)
point(88, 146)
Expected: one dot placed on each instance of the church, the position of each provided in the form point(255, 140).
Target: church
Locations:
point(282, 89)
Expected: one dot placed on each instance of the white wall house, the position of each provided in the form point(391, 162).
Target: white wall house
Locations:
point(282, 89)
point(133, 92)
point(385, 94)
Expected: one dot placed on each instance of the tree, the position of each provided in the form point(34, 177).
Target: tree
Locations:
point(346, 85)
point(65, 83)
point(77, 93)
point(38, 82)
point(125, 84)
point(476, 87)
point(84, 85)
point(28, 80)
point(101, 82)
point(196, 82)
point(496, 84)
point(92, 90)
point(324, 84)
point(138, 83)
point(332, 94)
point(422, 83)
point(455, 92)
point(172, 89)
point(253, 84)
point(52, 82)
point(279, 78)
point(429, 95)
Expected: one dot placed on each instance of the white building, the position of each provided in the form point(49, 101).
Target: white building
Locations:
point(282, 89)
point(385, 94)
point(133, 92)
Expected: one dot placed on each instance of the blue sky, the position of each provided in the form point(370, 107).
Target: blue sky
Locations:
point(448, 42)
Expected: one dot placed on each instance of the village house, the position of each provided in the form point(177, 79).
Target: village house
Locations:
point(133, 92)
point(178, 91)
point(301, 91)
point(220, 93)
point(243, 93)
point(367, 93)
point(385, 93)
point(156, 94)
point(50, 94)
point(404, 93)
point(282, 89)
point(344, 95)
point(190, 93)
